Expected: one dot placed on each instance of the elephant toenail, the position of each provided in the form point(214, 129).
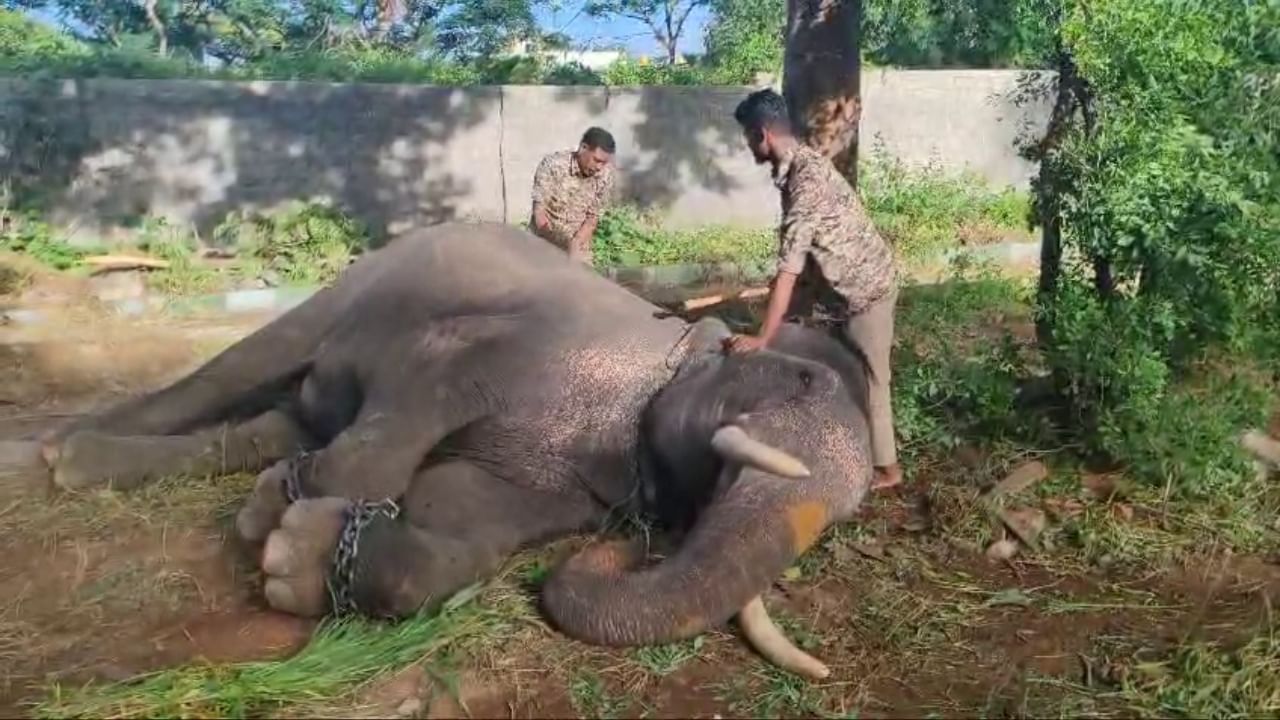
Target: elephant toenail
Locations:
point(277, 556)
point(280, 595)
point(251, 525)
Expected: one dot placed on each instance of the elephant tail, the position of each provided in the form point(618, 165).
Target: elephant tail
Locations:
point(743, 542)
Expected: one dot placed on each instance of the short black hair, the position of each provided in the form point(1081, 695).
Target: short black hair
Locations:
point(763, 109)
point(599, 139)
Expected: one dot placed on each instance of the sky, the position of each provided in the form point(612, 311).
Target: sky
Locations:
point(567, 17)
point(631, 34)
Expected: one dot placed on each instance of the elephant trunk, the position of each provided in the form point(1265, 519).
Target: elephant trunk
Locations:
point(744, 541)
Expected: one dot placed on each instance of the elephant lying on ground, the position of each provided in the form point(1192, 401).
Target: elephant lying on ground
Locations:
point(467, 391)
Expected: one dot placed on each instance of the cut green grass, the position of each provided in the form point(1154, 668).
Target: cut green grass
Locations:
point(341, 656)
point(665, 659)
point(1204, 680)
point(591, 698)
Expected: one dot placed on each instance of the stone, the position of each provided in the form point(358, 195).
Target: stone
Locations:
point(1002, 549)
point(1022, 478)
point(1026, 524)
point(410, 707)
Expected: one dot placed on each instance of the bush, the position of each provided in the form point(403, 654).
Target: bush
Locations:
point(303, 243)
point(924, 211)
point(1162, 194)
point(27, 46)
point(30, 237)
point(627, 237)
point(629, 72)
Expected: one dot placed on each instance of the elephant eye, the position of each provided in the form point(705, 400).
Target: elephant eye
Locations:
point(806, 378)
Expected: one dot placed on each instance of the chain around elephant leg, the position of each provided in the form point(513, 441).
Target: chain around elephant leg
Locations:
point(310, 560)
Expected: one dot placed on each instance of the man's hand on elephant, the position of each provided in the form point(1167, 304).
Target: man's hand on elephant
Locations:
point(744, 343)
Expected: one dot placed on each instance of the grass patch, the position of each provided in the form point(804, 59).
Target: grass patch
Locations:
point(343, 654)
point(102, 514)
point(16, 274)
point(922, 212)
point(590, 697)
point(298, 244)
point(969, 380)
point(98, 514)
point(666, 659)
point(1204, 680)
point(629, 237)
point(26, 235)
point(926, 211)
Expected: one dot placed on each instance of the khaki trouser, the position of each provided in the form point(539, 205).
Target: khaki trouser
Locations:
point(872, 330)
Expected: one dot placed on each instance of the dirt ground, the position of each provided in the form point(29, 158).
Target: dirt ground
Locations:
point(913, 619)
point(95, 586)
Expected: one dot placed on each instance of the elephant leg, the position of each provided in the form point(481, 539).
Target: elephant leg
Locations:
point(91, 459)
point(458, 525)
point(244, 380)
point(376, 456)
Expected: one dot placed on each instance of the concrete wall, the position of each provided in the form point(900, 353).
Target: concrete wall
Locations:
point(113, 151)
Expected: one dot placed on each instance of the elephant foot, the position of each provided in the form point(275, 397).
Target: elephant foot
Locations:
point(298, 554)
point(88, 459)
point(266, 505)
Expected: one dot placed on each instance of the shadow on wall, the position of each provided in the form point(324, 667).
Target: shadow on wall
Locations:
point(104, 154)
point(679, 140)
point(680, 152)
point(101, 155)
point(395, 156)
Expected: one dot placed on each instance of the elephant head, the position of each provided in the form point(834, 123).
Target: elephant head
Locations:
point(764, 451)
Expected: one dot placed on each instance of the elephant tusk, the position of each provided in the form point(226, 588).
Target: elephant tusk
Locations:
point(769, 641)
point(733, 443)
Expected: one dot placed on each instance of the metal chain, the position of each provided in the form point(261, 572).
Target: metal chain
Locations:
point(292, 480)
point(342, 574)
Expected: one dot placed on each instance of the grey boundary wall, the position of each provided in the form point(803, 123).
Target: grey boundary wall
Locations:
point(399, 156)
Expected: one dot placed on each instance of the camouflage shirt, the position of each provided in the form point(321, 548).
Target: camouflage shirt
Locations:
point(569, 197)
point(823, 218)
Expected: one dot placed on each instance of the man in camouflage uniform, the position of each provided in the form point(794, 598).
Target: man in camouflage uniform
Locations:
point(828, 241)
point(570, 190)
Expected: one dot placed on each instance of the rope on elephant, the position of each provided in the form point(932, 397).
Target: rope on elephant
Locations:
point(342, 575)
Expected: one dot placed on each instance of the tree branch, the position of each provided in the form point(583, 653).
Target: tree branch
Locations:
point(685, 16)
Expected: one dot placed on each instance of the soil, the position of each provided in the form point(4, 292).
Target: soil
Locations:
point(105, 596)
point(109, 589)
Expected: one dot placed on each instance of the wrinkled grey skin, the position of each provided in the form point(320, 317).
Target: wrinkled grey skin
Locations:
point(505, 396)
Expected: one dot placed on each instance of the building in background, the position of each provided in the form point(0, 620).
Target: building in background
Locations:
point(596, 60)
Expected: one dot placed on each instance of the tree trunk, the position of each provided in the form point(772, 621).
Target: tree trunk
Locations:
point(1072, 99)
point(821, 77)
point(389, 11)
point(153, 17)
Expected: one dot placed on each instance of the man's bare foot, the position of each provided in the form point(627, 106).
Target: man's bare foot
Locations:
point(886, 477)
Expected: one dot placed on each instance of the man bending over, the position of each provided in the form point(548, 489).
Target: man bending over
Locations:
point(570, 190)
point(827, 236)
